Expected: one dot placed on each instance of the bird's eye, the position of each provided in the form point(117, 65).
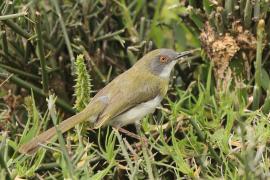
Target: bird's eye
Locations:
point(163, 59)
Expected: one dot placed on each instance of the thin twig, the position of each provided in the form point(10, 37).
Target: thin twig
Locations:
point(6, 80)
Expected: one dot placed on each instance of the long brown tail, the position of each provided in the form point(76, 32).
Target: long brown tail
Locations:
point(89, 113)
point(32, 146)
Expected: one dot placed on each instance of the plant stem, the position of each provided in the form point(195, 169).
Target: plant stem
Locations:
point(15, 27)
point(247, 14)
point(142, 28)
point(124, 151)
point(52, 111)
point(109, 35)
point(96, 69)
point(202, 137)
point(97, 30)
point(68, 44)
point(258, 65)
point(229, 5)
point(47, 166)
point(128, 20)
point(19, 72)
point(4, 39)
point(10, 16)
point(35, 89)
point(41, 54)
point(257, 10)
point(145, 153)
point(4, 166)
point(219, 21)
point(242, 7)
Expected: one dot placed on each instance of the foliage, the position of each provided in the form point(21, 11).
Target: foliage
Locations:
point(213, 124)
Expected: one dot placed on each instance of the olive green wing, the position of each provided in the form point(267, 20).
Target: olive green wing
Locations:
point(128, 94)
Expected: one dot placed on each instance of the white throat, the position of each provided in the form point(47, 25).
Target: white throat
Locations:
point(165, 73)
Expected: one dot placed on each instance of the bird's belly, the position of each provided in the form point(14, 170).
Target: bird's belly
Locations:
point(136, 113)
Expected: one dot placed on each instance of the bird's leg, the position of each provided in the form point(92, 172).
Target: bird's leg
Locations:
point(130, 134)
point(139, 136)
point(139, 132)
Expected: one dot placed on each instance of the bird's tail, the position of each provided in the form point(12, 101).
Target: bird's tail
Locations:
point(89, 113)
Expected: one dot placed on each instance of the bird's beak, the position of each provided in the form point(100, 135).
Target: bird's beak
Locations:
point(180, 55)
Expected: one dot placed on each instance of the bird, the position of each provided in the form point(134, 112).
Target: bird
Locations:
point(125, 100)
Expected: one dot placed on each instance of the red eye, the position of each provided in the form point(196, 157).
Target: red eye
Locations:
point(163, 59)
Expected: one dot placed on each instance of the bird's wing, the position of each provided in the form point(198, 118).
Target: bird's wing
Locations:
point(131, 91)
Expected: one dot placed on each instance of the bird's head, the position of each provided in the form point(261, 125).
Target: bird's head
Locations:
point(161, 61)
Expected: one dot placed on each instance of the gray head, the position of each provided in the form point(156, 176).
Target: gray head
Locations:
point(161, 61)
